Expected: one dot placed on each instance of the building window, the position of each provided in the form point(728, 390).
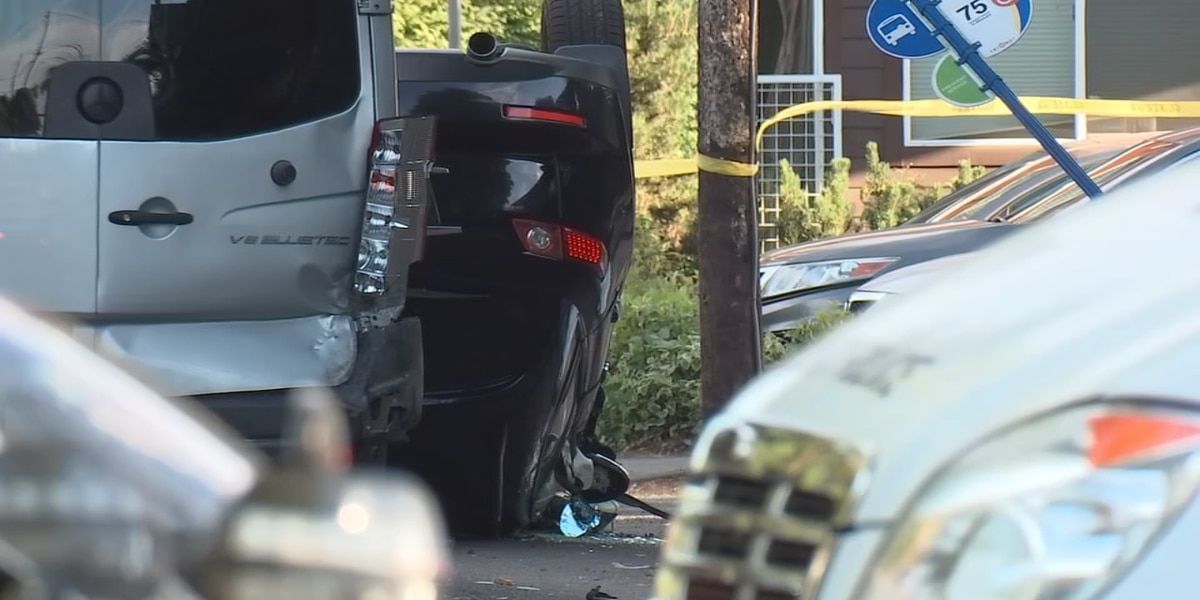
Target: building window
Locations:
point(785, 37)
point(1142, 50)
point(1046, 62)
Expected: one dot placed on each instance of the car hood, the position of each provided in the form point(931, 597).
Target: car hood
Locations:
point(913, 244)
point(1078, 307)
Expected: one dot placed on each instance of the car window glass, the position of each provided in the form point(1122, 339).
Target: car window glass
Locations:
point(1143, 165)
point(35, 37)
point(230, 68)
point(967, 195)
point(1055, 183)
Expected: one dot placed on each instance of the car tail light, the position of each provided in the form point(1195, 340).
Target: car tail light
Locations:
point(393, 226)
point(549, 115)
point(561, 243)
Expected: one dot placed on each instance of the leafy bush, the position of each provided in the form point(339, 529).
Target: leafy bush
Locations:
point(653, 389)
point(426, 23)
point(804, 216)
point(778, 345)
point(663, 72)
point(892, 198)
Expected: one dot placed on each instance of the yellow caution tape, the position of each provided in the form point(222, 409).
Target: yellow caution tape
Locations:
point(1036, 105)
point(920, 108)
point(721, 166)
point(670, 167)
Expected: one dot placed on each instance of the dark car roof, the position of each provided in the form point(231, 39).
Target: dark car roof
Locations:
point(988, 196)
point(911, 244)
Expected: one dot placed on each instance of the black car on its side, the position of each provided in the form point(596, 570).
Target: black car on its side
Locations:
point(530, 238)
point(803, 280)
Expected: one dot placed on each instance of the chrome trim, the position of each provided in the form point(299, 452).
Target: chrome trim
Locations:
point(786, 462)
point(865, 296)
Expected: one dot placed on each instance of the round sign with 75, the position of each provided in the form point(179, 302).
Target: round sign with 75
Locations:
point(994, 24)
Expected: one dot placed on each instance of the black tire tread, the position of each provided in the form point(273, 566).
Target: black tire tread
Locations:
point(575, 22)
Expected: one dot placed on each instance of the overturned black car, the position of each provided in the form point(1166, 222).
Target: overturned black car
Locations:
point(530, 237)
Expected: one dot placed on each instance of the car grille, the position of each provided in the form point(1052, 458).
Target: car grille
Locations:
point(762, 524)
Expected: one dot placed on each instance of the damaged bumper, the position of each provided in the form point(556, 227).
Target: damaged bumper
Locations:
point(243, 371)
point(189, 359)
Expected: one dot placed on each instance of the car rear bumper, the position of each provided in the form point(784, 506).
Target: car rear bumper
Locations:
point(189, 359)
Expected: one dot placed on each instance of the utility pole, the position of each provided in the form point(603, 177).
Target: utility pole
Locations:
point(730, 341)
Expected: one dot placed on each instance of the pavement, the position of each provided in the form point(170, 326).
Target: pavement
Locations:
point(643, 467)
point(620, 562)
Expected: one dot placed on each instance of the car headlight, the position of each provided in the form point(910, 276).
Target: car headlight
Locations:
point(776, 280)
point(1053, 509)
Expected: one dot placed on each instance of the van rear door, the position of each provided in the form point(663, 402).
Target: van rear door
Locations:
point(48, 169)
point(234, 188)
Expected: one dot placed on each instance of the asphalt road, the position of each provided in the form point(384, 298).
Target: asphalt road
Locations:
point(620, 562)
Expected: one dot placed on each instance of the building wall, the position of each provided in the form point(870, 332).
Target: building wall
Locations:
point(868, 74)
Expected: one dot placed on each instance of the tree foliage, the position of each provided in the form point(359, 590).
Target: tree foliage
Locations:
point(804, 216)
point(891, 197)
point(426, 23)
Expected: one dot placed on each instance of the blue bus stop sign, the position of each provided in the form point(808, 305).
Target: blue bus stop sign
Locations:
point(897, 30)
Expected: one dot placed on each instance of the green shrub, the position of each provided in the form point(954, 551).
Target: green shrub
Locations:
point(892, 198)
point(426, 23)
point(778, 345)
point(663, 73)
point(804, 216)
point(653, 389)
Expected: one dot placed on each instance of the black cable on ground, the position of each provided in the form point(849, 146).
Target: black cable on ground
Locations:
point(628, 500)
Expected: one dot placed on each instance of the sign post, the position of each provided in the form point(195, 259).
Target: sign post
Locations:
point(973, 31)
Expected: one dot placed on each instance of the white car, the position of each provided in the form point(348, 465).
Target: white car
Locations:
point(974, 440)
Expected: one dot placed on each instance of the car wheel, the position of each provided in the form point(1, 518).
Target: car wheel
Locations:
point(580, 22)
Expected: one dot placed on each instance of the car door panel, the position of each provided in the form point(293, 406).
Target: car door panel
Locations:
point(266, 198)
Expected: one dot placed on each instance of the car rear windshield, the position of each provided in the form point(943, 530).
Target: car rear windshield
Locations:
point(216, 68)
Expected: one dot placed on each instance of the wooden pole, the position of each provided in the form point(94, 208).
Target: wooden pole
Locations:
point(730, 342)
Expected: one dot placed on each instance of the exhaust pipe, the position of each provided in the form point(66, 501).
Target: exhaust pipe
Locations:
point(484, 48)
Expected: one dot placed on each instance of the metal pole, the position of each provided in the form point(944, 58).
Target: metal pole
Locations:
point(455, 23)
point(968, 54)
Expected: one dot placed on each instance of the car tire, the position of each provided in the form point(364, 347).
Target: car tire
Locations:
point(582, 22)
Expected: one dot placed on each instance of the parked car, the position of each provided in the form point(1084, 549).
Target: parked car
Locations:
point(1027, 428)
point(982, 197)
point(802, 280)
point(108, 490)
point(519, 286)
point(222, 196)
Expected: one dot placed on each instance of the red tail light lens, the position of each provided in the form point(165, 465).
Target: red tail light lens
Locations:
point(560, 243)
point(583, 247)
point(529, 113)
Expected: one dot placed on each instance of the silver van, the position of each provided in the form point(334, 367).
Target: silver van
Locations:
point(188, 186)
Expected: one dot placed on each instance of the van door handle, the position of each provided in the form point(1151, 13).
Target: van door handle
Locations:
point(141, 217)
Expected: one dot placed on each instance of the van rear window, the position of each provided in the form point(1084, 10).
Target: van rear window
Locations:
point(216, 69)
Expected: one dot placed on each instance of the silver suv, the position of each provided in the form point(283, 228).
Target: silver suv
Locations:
point(188, 186)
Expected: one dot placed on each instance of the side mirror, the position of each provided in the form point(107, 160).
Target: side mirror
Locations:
point(315, 530)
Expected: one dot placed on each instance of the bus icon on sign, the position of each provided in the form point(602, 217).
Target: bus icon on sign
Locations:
point(896, 28)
